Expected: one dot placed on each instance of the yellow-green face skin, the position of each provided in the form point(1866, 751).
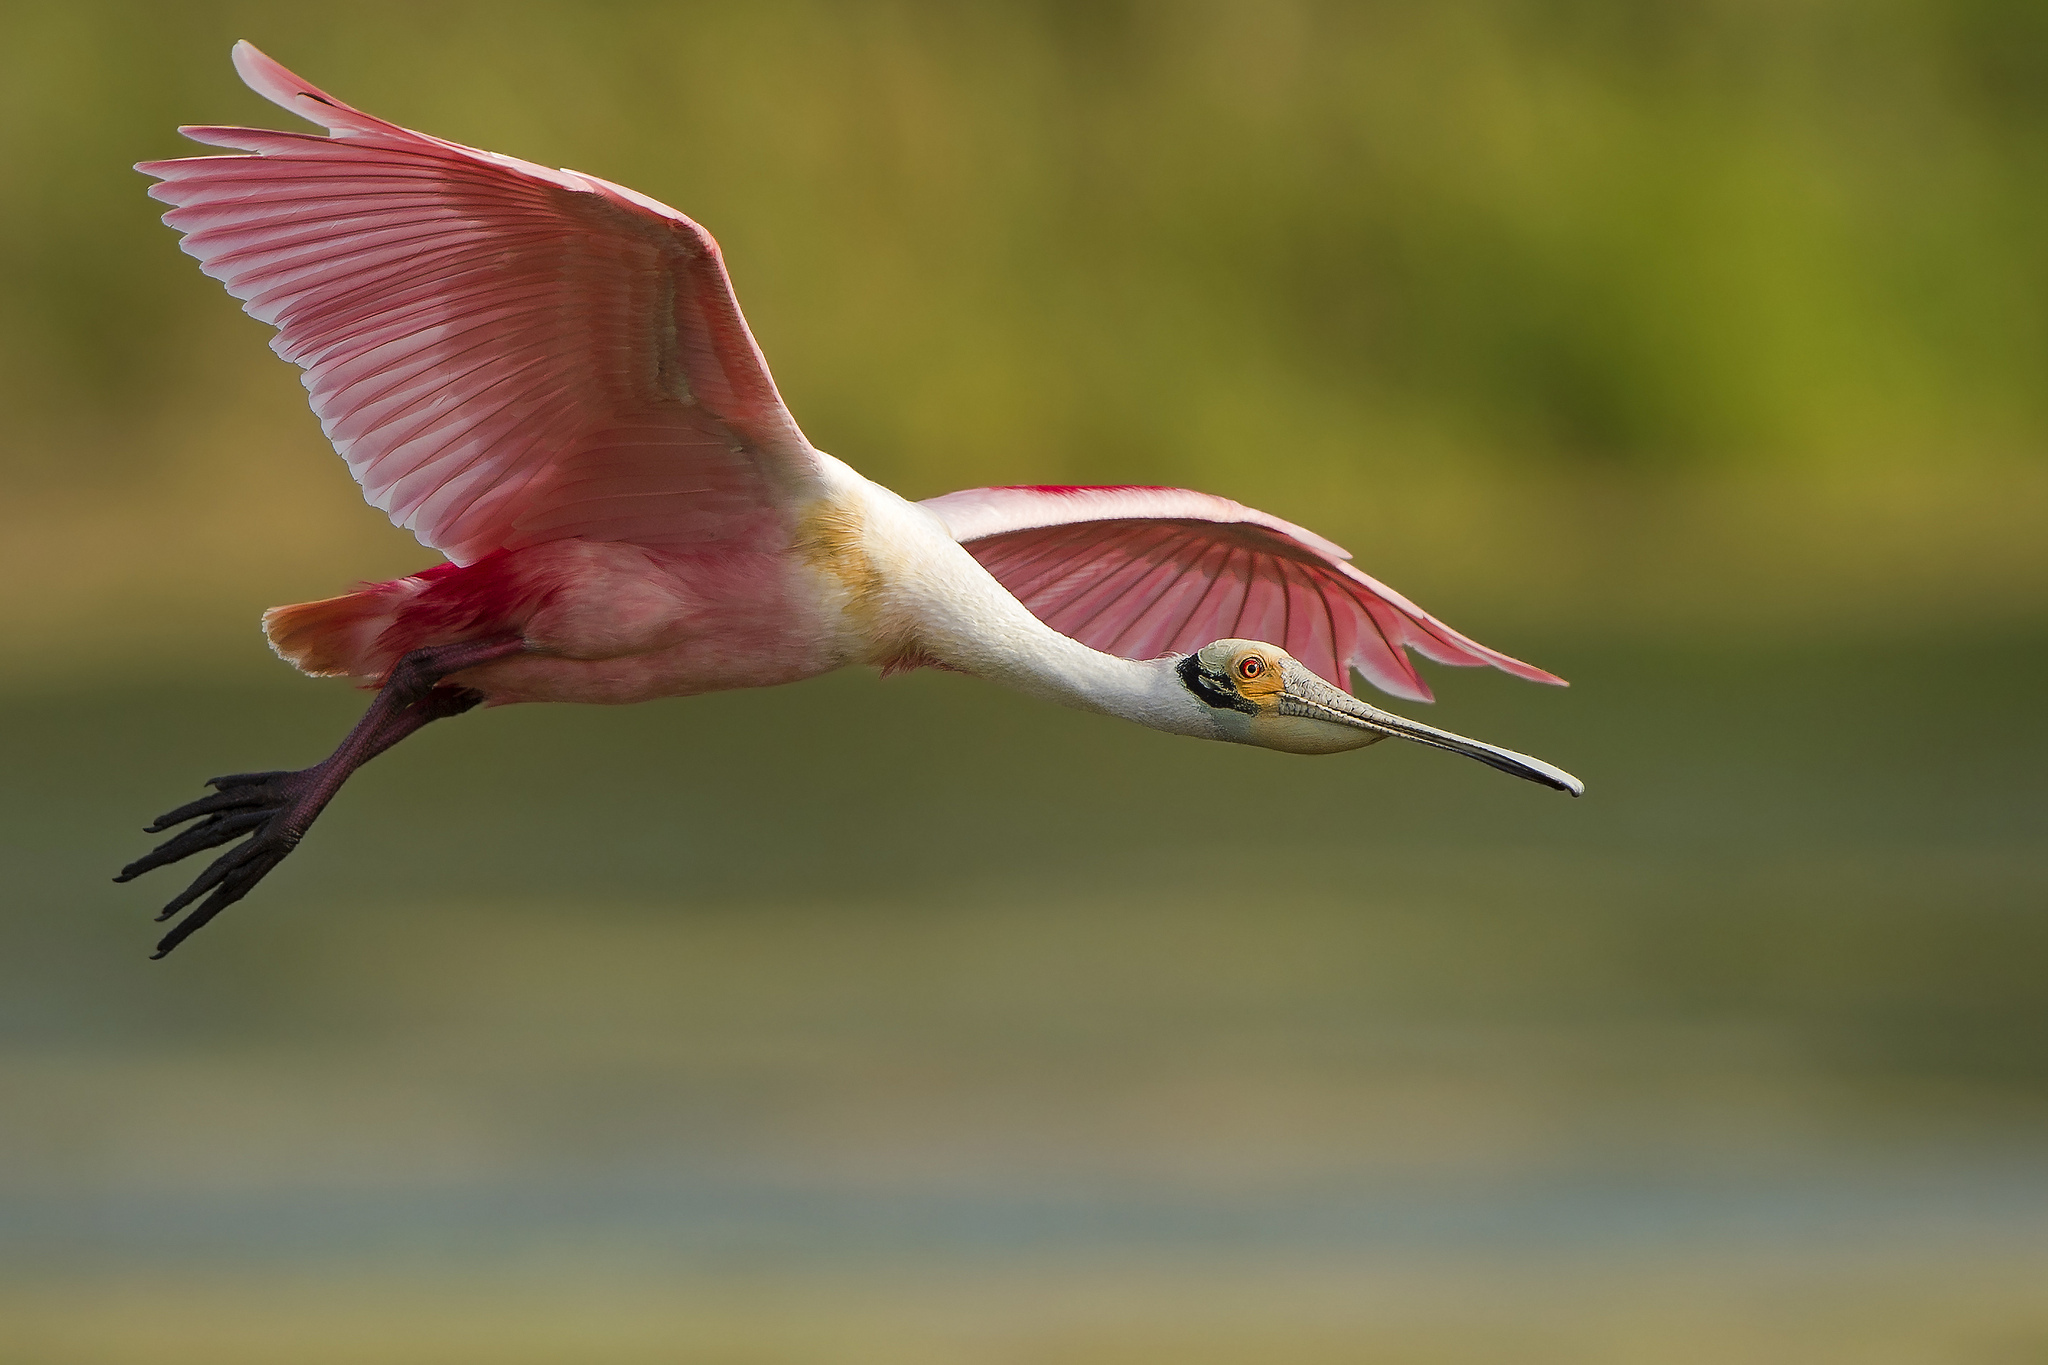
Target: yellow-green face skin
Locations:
point(1284, 705)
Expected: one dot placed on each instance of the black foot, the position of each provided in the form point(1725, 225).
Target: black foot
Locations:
point(273, 808)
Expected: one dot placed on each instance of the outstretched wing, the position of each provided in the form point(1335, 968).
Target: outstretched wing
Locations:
point(1141, 572)
point(503, 353)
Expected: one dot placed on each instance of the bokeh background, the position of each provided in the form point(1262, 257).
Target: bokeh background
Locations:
point(1693, 350)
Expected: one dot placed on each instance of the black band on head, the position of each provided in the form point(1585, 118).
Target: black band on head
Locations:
point(1199, 683)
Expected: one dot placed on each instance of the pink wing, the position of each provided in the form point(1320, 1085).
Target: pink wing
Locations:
point(504, 354)
point(1141, 572)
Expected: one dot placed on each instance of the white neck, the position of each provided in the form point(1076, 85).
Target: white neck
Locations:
point(962, 618)
point(1025, 653)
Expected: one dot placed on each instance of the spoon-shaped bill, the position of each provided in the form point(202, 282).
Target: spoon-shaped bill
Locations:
point(1317, 697)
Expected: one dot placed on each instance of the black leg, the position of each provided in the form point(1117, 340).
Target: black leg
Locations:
point(275, 809)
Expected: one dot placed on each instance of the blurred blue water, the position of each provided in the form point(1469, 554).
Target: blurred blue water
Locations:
point(923, 970)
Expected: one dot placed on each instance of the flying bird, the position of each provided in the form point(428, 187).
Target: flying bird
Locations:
point(546, 378)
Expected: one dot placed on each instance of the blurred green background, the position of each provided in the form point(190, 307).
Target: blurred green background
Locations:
point(1692, 350)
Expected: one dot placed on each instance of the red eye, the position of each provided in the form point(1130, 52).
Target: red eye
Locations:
point(1250, 666)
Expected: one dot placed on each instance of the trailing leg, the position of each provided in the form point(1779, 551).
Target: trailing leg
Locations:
point(275, 809)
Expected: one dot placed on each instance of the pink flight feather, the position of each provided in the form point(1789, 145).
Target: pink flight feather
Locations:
point(1141, 572)
point(504, 354)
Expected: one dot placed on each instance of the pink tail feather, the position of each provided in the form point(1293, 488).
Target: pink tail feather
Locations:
point(337, 637)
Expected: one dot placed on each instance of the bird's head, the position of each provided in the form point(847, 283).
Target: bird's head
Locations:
point(1263, 695)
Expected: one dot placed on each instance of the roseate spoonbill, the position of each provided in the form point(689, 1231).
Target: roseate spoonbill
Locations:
point(546, 377)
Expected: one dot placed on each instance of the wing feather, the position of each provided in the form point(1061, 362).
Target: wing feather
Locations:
point(1142, 572)
point(502, 353)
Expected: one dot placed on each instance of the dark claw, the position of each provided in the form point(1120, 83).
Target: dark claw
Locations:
point(211, 834)
point(270, 807)
point(245, 779)
point(237, 798)
point(216, 872)
point(253, 861)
